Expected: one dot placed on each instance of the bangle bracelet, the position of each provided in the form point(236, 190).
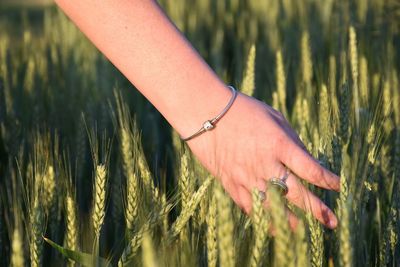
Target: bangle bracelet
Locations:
point(210, 124)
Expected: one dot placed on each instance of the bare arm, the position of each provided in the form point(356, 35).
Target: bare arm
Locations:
point(140, 41)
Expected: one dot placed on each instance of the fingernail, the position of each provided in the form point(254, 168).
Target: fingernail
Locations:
point(332, 222)
point(329, 218)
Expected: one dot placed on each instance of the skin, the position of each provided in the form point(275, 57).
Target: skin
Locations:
point(249, 145)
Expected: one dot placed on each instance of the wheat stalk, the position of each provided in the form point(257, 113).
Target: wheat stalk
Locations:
point(144, 170)
point(36, 241)
point(29, 81)
point(301, 245)
point(261, 225)
point(305, 119)
point(364, 86)
point(306, 62)
point(346, 248)
point(282, 240)
point(288, 8)
point(203, 211)
point(281, 83)
point(17, 253)
point(146, 175)
point(49, 185)
point(325, 129)
point(354, 71)
point(185, 186)
point(128, 147)
point(185, 215)
point(131, 210)
point(128, 144)
point(396, 98)
point(344, 113)
point(99, 199)
point(71, 235)
point(50, 199)
point(149, 254)
point(134, 243)
point(185, 183)
point(344, 207)
point(275, 100)
point(212, 250)
point(317, 242)
point(248, 84)
point(387, 99)
point(224, 228)
point(332, 90)
point(393, 225)
point(72, 224)
point(396, 158)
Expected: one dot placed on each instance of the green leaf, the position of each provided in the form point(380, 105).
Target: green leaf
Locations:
point(84, 259)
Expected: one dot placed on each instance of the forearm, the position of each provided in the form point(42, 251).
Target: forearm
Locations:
point(145, 46)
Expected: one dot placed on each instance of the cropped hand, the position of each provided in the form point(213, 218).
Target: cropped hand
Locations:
point(253, 143)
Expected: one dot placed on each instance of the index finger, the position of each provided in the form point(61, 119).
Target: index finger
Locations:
point(306, 167)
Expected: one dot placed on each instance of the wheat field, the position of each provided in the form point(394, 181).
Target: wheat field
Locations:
point(92, 175)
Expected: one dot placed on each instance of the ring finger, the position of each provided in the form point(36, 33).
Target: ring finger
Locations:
point(245, 200)
point(303, 198)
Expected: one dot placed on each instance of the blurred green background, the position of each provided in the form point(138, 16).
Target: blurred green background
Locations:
point(55, 85)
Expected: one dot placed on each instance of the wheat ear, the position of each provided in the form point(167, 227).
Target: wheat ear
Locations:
point(185, 215)
point(317, 242)
point(134, 244)
point(248, 84)
point(260, 225)
point(36, 242)
point(283, 240)
point(354, 71)
point(99, 199)
point(212, 250)
point(224, 228)
point(301, 245)
point(17, 249)
point(281, 83)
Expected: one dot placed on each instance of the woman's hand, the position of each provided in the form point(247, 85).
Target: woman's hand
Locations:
point(253, 143)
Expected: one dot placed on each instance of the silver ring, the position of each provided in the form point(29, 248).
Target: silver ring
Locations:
point(281, 183)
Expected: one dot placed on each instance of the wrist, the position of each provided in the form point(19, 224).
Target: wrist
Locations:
point(210, 124)
point(187, 115)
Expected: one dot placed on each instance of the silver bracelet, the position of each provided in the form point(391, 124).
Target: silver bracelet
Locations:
point(210, 124)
